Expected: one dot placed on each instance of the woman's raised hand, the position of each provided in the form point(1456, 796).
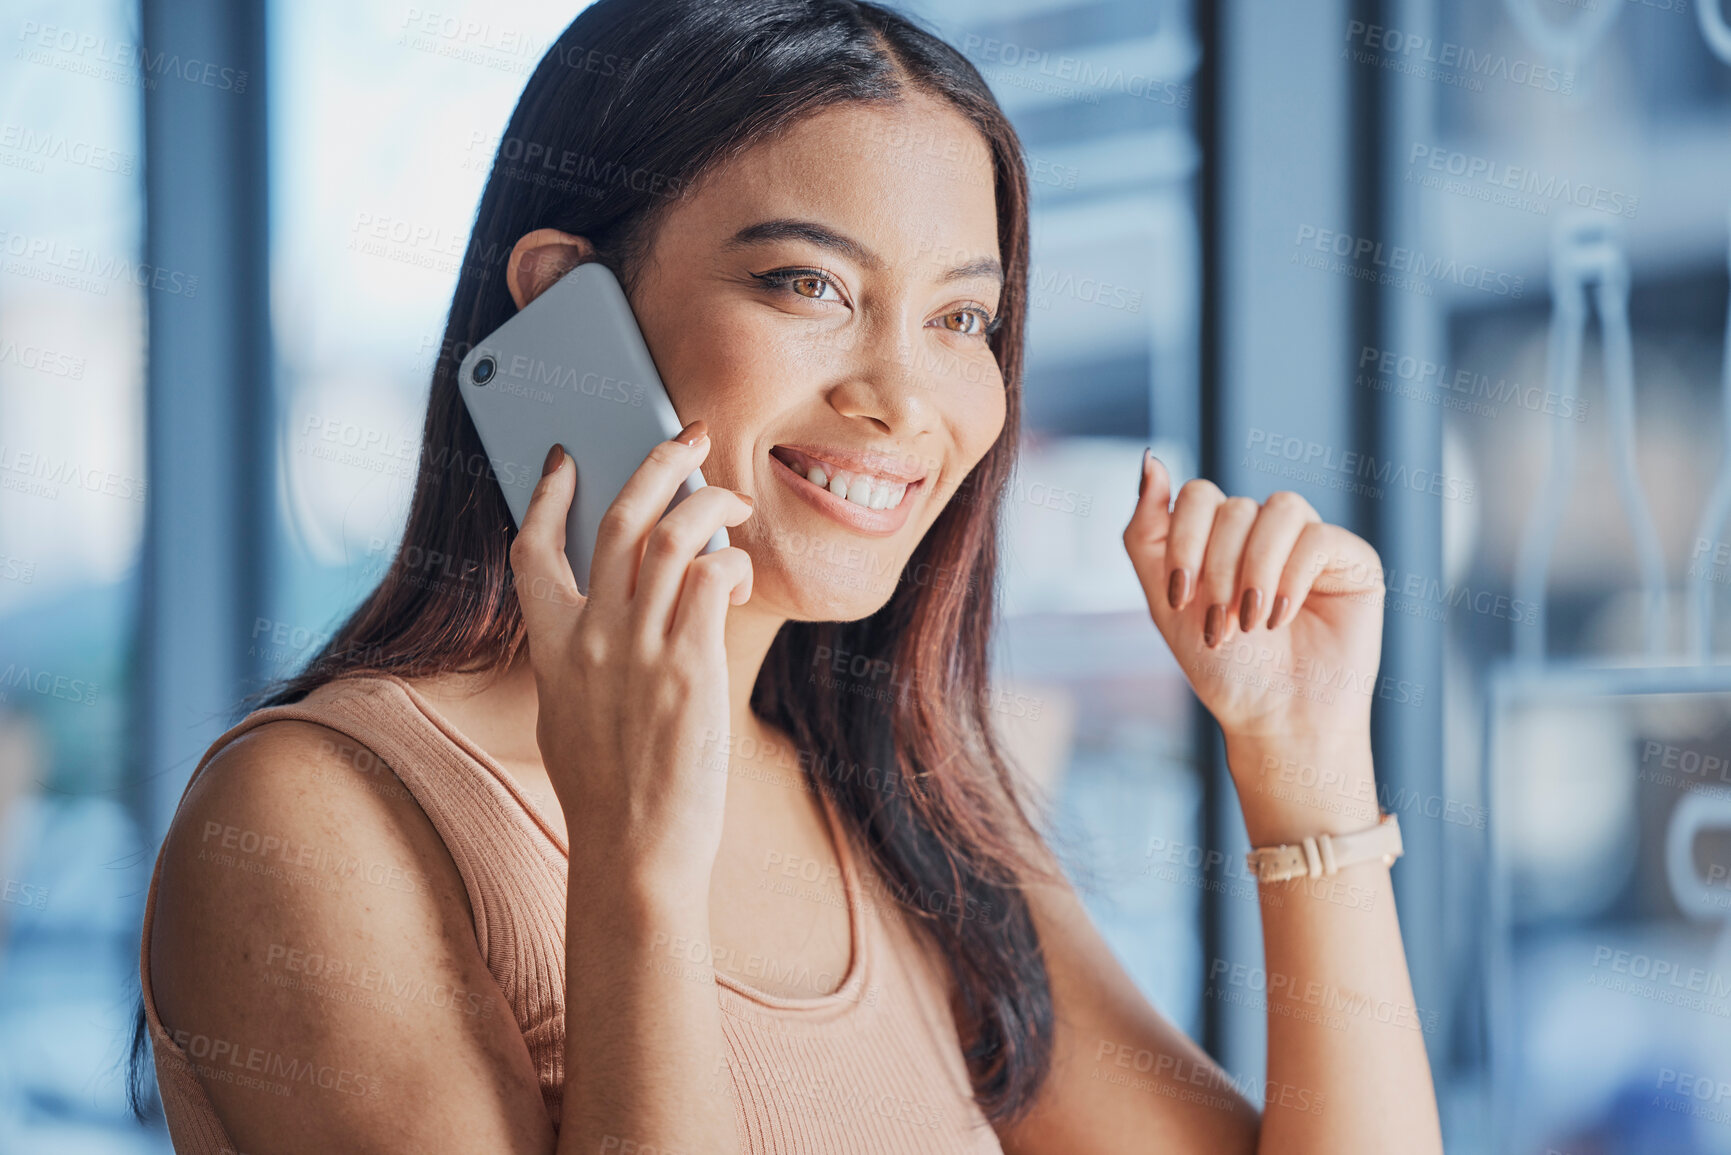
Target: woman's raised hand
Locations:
point(1274, 614)
point(632, 680)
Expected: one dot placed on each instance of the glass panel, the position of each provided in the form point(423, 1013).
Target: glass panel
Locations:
point(1611, 865)
point(370, 220)
point(1565, 927)
point(72, 492)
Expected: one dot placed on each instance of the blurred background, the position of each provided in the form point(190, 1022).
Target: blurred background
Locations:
point(1457, 272)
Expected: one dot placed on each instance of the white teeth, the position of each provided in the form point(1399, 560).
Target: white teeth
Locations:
point(861, 489)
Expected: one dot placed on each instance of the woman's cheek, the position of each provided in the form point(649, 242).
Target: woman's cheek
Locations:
point(978, 420)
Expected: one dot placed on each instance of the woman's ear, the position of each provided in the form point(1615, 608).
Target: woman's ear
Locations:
point(542, 257)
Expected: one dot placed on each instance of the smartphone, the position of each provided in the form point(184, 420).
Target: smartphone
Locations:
point(571, 367)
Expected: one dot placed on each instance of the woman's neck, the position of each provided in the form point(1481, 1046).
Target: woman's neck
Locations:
point(748, 635)
point(512, 706)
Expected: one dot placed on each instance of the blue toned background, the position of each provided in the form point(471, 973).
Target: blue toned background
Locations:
point(1454, 271)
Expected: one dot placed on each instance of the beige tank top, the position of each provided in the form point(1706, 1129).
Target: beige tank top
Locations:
point(874, 1067)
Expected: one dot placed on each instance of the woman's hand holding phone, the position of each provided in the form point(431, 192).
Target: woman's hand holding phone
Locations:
point(633, 723)
point(632, 680)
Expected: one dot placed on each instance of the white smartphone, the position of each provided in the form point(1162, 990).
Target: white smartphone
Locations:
point(571, 367)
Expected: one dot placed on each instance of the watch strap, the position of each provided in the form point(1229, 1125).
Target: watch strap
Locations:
point(1322, 855)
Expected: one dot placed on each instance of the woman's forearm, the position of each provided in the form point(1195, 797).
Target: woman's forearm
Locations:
point(645, 1060)
point(1347, 1069)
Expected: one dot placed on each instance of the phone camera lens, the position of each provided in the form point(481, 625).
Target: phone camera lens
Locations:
point(483, 371)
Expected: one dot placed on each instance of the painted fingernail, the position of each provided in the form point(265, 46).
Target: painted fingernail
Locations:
point(1178, 588)
point(1142, 486)
point(555, 458)
point(1213, 624)
point(693, 433)
point(747, 498)
point(1247, 607)
point(1279, 614)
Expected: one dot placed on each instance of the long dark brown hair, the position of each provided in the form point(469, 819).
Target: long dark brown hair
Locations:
point(629, 107)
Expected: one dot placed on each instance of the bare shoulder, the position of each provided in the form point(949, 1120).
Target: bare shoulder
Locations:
point(312, 953)
point(292, 808)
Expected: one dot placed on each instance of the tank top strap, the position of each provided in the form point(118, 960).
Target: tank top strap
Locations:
point(495, 836)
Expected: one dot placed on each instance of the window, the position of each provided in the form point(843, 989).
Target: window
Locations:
point(73, 293)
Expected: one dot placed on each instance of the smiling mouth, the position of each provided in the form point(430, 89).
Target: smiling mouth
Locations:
point(872, 491)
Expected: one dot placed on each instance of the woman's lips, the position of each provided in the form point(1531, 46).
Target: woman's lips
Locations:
point(875, 522)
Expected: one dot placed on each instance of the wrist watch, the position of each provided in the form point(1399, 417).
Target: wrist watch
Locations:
point(1323, 854)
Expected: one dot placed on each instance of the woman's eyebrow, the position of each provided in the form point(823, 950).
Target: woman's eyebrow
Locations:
point(785, 229)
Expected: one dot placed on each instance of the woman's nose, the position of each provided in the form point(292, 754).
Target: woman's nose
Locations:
point(890, 384)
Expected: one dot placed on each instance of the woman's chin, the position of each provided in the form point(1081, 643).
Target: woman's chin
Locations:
point(813, 590)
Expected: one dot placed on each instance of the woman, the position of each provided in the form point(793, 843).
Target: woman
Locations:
point(504, 870)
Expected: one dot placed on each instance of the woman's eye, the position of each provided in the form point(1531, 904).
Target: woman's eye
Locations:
point(807, 283)
point(813, 284)
point(974, 322)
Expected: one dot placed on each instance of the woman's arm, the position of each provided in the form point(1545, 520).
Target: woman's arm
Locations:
point(313, 952)
point(1346, 1067)
point(633, 690)
point(314, 949)
point(645, 1060)
point(1124, 1079)
point(1347, 1070)
point(1342, 1022)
